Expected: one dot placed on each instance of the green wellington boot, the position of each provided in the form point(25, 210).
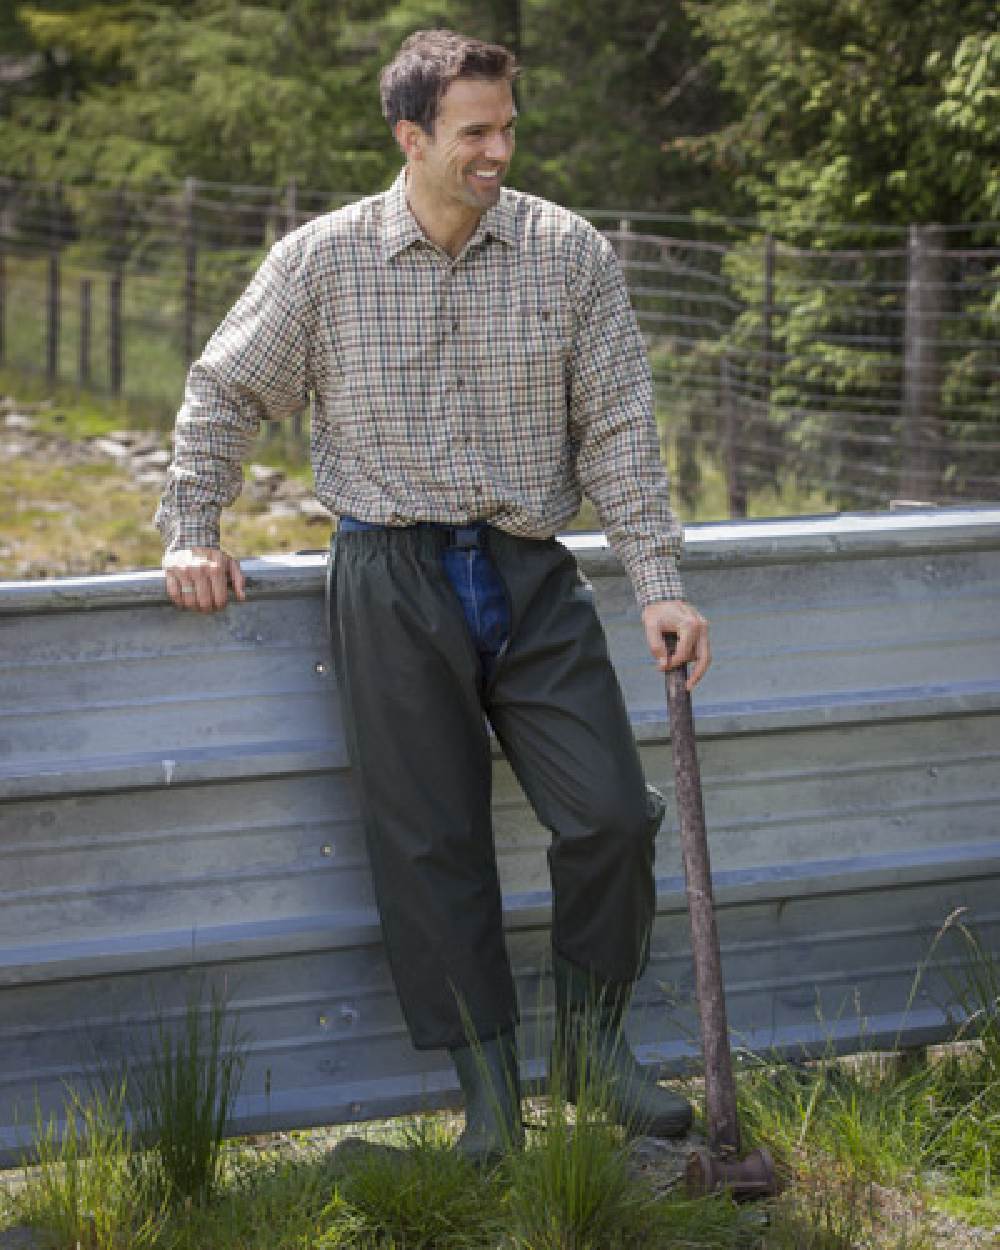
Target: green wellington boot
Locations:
point(487, 1073)
point(591, 1046)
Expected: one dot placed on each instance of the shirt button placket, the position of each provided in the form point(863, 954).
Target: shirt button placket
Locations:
point(465, 417)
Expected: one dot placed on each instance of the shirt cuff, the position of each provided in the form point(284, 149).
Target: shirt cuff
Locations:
point(180, 533)
point(661, 581)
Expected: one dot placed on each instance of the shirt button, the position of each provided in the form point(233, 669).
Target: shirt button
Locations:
point(459, 383)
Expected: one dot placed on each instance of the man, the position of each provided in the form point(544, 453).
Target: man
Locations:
point(473, 362)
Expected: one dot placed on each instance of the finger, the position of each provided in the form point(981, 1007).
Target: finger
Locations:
point(174, 589)
point(179, 587)
point(684, 645)
point(218, 584)
point(657, 643)
point(202, 597)
point(237, 578)
point(703, 660)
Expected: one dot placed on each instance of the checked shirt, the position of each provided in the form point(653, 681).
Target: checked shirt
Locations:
point(496, 386)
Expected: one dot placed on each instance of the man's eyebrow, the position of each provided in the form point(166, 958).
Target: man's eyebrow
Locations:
point(462, 130)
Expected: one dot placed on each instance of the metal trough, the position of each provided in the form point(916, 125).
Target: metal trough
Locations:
point(175, 801)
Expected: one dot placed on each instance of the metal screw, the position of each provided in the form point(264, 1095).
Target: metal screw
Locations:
point(323, 1021)
point(320, 667)
point(327, 850)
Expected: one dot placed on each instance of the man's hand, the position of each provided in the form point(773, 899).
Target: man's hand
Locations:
point(198, 578)
point(675, 616)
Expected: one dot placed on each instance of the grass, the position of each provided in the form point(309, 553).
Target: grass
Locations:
point(181, 1097)
point(872, 1151)
point(90, 1188)
point(151, 310)
point(850, 1131)
point(58, 517)
point(420, 1194)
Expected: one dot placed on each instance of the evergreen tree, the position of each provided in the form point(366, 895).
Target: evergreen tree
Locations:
point(857, 110)
point(251, 93)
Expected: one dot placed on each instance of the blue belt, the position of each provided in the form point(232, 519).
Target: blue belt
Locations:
point(452, 535)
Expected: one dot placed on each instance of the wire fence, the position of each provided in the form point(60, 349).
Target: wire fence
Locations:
point(795, 371)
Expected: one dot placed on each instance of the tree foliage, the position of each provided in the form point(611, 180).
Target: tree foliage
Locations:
point(603, 85)
point(857, 110)
point(269, 91)
point(829, 110)
point(205, 88)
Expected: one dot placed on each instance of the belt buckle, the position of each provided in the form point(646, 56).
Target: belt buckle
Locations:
point(464, 536)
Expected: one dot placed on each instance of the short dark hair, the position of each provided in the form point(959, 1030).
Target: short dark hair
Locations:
point(423, 69)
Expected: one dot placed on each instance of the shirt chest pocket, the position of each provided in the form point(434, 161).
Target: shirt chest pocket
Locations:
point(528, 345)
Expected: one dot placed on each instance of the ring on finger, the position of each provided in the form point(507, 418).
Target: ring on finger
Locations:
point(188, 590)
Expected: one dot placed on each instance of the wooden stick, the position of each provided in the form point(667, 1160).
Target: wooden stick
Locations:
point(720, 1089)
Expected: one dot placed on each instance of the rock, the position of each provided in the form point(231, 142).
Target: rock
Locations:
point(10, 403)
point(283, 508)
point(11, 448)
point(110, 447)
point(128, 438)
point(295, 489)
point(659, 1161)
point(314, 512)
point(155, 458)
point(151, 477)
point(18, 421)
point(265, 483)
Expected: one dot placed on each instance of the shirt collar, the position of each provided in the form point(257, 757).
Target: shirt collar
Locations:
point(400, 228)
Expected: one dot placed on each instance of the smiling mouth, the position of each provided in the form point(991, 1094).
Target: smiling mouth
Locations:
point(487, 175)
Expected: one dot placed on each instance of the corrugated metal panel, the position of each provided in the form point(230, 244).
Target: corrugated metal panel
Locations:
point(175, 798)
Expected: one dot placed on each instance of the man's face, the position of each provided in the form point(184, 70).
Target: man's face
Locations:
point(470, 150)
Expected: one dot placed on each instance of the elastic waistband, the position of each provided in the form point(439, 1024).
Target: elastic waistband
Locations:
point(450, 535)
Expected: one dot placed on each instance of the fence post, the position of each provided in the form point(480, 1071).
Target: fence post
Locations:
point(626, 246)
point(52, 331)
point(736, 490)
point(767, 312)
point(920, 473)
point(3, 307)
point(115, 332)
point(291, 206)
point(115, 283)
point(770, 436)
point(190, 270)
point(86, 286)
point(52, 286)
point(290, 223)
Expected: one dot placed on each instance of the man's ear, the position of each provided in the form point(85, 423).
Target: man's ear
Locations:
point(411, 139)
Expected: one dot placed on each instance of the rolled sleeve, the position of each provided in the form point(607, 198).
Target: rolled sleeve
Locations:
point(613, 425)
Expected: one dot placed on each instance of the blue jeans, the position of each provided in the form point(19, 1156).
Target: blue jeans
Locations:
point(474, 579)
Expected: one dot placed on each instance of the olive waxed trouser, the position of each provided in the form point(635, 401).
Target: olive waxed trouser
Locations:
point(414, 702)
